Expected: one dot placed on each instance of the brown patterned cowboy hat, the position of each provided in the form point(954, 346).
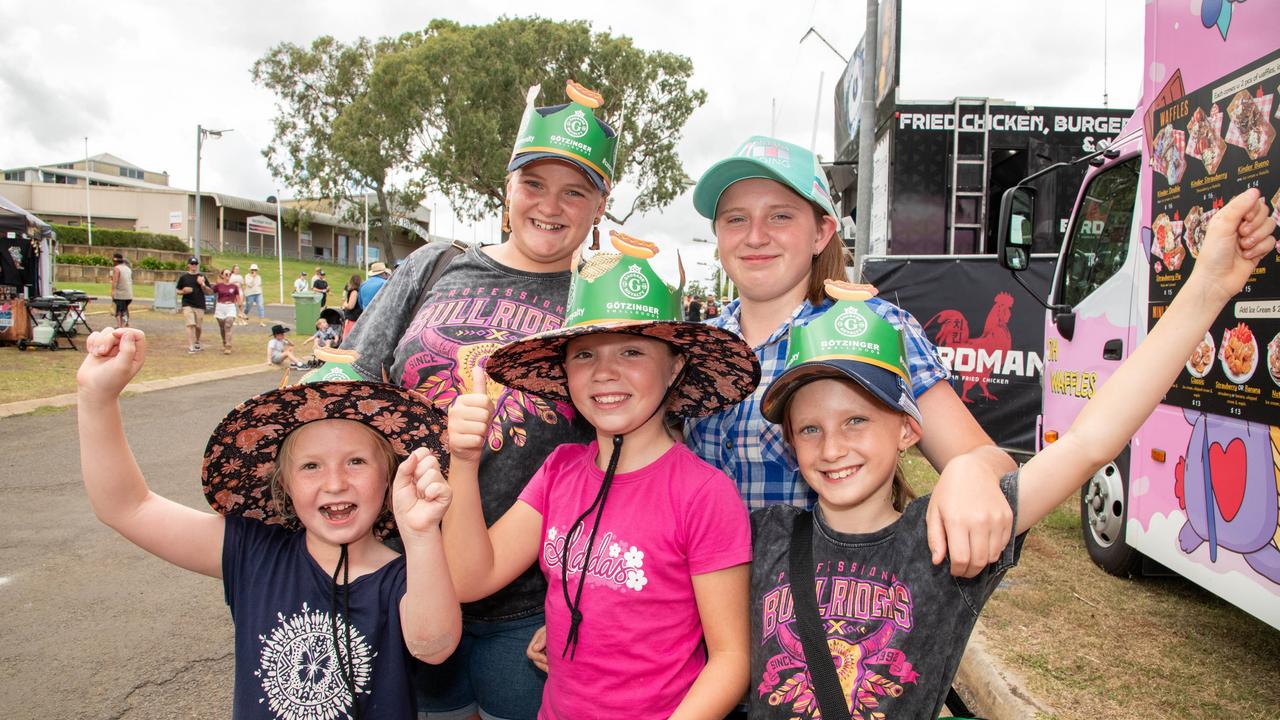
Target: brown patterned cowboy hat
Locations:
point(620, 293)
point(241, 454)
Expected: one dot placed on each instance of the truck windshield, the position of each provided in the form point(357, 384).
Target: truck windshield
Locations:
point(1099, 241)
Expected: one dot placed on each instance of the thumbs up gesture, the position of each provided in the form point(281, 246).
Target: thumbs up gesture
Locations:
point(469, 420)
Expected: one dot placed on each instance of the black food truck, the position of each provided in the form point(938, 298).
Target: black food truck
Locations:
point(939, 170)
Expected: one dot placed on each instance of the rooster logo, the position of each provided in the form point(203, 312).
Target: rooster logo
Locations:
point(952, 331)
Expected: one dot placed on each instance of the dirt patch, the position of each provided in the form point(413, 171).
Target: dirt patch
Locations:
point(1091, 645)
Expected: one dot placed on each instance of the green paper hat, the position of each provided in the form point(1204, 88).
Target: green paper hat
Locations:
point(621, 293)
point(613, 288)
point(848, 341)
point(337, 367)
point(569, 132)
point(771, 159)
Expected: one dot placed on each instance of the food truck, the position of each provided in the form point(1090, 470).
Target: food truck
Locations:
point(938, 171)
point(1196, 488)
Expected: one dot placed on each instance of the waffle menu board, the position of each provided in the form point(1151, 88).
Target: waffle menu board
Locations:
point(1206, 147)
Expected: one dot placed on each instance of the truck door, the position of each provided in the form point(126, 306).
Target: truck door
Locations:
point(1084, 346)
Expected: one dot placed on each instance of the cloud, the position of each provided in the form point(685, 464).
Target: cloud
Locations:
point(138, 76)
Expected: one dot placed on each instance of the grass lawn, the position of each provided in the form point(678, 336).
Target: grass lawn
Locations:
point(336, 274)
point(1095, 646)
point(38, 373)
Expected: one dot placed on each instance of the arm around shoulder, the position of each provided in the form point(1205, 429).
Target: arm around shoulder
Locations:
point(969, 519)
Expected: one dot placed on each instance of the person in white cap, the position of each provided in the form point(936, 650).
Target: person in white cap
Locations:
point(253, 295)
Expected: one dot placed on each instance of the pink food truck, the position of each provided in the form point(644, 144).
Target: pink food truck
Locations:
point(1196, 489)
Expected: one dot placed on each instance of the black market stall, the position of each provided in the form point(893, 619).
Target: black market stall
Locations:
point(26, 268)
point(939, 170)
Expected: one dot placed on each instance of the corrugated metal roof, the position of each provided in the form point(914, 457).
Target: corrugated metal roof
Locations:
point(269, 209)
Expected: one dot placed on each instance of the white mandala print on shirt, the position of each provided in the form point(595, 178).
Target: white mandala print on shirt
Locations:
point(300, 672)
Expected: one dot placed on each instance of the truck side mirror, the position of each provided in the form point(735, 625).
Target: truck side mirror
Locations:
point(1017, 219)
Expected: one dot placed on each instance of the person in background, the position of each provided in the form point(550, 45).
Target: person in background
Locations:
point(324, 336)
point(709, 307)
point(121, 288)
point(350, 304)
point(253, 295)
point(693, 311)
point(238, 280)
point(320, 285)
point(280, 348)
point(378, 274)
point(225, 308)
point(192, 286)
point(301, 284)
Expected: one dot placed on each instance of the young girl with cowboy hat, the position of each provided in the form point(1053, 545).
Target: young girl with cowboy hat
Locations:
point(305, 483)
point(644, 546)
point(429, 336)
point(775, 225)
point(884, 631)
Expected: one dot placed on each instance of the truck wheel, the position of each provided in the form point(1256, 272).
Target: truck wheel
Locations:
point(22, 345)
point(1103, 511)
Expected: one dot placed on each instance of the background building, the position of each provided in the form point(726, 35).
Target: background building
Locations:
point(122, 195)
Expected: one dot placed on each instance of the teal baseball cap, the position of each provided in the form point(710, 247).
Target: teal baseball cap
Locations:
point(771, 159)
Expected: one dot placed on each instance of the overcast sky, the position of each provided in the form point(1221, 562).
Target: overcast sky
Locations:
point(136, 77)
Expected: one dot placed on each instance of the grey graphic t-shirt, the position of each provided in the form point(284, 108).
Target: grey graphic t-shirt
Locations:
point(896, 624)
point(476, 307)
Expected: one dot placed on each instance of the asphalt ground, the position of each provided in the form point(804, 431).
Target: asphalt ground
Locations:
point(94, 627)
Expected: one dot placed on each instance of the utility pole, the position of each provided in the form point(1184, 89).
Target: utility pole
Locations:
point(201, 134)
point(88, 208)
point(195, 245)
point(866, 136)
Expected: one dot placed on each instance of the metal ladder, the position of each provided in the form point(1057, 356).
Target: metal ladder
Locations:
point(978, 227)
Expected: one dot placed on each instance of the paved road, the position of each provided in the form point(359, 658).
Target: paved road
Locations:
point(92, 626)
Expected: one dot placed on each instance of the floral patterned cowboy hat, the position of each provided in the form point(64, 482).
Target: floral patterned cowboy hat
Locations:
point(241, 454)
point(621, 293)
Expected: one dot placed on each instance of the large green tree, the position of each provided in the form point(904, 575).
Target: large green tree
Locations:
point(333, 138)
point(466, 86)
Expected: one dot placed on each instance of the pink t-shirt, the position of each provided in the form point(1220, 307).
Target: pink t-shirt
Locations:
point(640, 642)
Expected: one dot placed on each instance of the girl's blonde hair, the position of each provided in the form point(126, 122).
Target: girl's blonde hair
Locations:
point(278, 482)
point(901, 494)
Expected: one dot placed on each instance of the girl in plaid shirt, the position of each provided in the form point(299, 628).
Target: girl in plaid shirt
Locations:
point(775, 226)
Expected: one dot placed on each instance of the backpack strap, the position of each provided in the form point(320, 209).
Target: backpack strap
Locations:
point(808, 623)
point(446, 256)
point(455, 249)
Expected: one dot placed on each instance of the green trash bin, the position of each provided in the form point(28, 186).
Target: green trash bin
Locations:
point(306, 310)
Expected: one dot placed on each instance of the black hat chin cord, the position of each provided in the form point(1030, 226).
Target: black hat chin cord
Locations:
point(346, 665)
point(575, 603)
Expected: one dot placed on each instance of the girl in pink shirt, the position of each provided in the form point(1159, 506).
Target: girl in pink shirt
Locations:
point(645, 547)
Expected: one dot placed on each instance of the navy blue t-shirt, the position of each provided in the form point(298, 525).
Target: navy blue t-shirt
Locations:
point(285, 662)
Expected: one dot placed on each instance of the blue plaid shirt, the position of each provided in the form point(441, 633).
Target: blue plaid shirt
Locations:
point(750, 449)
